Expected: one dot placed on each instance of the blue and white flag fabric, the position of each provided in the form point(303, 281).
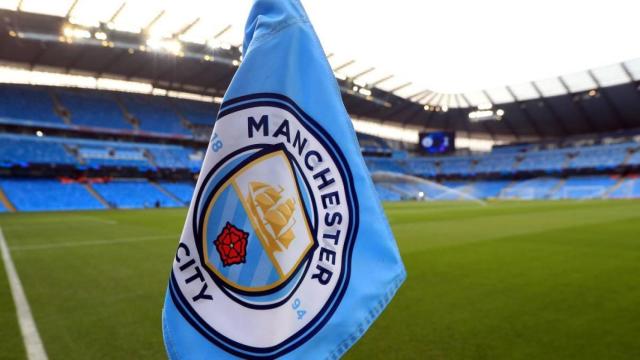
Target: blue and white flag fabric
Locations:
point(286, 251)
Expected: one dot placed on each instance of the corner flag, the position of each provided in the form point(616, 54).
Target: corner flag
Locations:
point(286, 251)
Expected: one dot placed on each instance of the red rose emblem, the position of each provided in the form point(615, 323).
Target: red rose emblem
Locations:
point(231, 244)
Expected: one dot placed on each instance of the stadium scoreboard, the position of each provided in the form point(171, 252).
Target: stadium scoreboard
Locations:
point(440, 142)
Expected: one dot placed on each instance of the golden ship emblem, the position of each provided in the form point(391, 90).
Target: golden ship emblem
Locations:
point(273, 215)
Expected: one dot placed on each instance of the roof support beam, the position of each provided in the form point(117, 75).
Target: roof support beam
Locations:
point(400, 87)
point(344, 65)
point(607, 100)
point(579, 109)
point(71, 8)
point(154, 21)
point(381, 80)
point(506, 121)
point(222, 32)
point(548, 106)
point(118, 12)
point(361, 73)
point(418, 98)
point(626, 70)
point(187, 27)
point(430, 98)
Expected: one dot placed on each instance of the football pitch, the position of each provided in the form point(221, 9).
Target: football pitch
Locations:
point(509, 280)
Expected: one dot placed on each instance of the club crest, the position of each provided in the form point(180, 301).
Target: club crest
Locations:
point(271, 230)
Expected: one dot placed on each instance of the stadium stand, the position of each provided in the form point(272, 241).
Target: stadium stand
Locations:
point(154, 115)
point(456, 165)
point(634, 159)
point(175, 157)
point(93, 108)
point(568, 171)
point(24, 150)
point(549, 161)
point(372, 144)
point(181, 190)
point(111, 155)
point(197, 112)
point(600, 157)
point(421, 167)
point(628, 188)
point(533, 189)
point(48, 195)
point(27, 105)
point(384, 164)
point(138, 193)
point(484, 189)
point(584, 187)
point(386, 194)
point(496, 163)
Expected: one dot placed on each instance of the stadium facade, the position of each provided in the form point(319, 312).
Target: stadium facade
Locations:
point(72, 148)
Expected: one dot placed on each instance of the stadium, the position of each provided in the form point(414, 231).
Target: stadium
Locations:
point(515, 208)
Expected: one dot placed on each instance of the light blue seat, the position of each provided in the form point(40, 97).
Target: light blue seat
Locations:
point(129, 194)
point(181, 190)
point(48, 195)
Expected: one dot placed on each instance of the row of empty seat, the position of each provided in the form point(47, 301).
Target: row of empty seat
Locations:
point(106, 110)
point(23, 150)
point(55, 195)
point(600, 157)
point(574, 187)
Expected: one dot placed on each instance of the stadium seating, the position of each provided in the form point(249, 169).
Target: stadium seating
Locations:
point(154, 115)
point(112, 154)
point(387, 194)
point(127, 194)
point(22, 104)
point(600, 157)
point(628, 188)
point(95, 109)
point(496, 163)
point(196, 112)
point(584, 187)
point(48, 195)
point(27, 149)
point(384, 164)
point(456, 165)
point(546, 160)
point(181, 190)
point(634, 159)
point(421, 167)
point(372, 144)
point(484, 189)
point(534, 189)
point(175, 157)
point(24, 150)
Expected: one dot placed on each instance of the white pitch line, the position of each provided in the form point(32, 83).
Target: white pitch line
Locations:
point(91, 243)
point(30, 335)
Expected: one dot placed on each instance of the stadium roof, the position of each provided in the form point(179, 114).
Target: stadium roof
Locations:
point(448, 48)
point(192, 45)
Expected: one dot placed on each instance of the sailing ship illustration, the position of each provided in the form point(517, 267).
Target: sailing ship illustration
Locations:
point(273, 214)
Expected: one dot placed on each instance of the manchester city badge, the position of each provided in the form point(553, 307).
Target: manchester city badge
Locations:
point(272, 230)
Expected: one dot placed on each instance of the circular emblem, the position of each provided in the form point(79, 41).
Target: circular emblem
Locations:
point(265, 257)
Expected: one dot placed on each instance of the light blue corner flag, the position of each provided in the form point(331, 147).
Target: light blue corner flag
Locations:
point(286, 252)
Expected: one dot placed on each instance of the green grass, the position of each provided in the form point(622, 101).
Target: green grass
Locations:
point(511, 280)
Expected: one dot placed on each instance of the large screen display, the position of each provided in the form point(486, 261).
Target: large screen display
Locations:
point(440, 142)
